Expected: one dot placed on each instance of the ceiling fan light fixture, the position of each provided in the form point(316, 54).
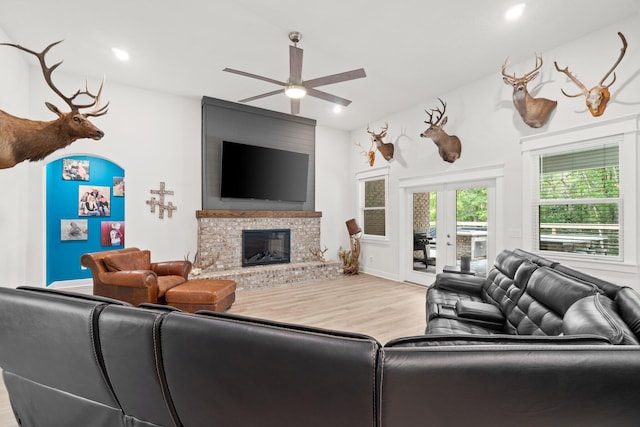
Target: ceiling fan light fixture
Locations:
point(295, 91)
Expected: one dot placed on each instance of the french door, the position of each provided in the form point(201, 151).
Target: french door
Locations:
point(449, 222)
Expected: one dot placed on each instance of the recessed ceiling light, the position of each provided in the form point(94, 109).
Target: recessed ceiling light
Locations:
point(515, 12)
point(337, 109)
point(122, 55)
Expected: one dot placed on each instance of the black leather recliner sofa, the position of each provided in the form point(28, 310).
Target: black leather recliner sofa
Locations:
point(527, 295)
point(75, 360)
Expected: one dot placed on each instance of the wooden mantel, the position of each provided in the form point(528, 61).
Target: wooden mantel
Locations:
point(256, 214)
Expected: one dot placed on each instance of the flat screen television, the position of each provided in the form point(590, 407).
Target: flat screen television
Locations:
point(252, 172)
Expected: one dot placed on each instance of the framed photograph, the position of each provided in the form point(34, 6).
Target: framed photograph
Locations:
point(118, 186)
point(75, 170)
point(112, 233)
point(94, 200)
point(74, 229)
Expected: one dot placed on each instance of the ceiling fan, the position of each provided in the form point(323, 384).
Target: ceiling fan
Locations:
point(296, 88)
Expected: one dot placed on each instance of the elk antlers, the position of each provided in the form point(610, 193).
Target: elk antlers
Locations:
point(24, 139)
point(47, 71)
point(598, 96)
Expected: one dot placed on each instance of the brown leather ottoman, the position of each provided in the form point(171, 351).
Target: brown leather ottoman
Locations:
point(202, 294)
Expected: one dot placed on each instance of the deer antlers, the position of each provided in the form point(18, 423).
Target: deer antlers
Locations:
point(379, 135)
point(437, 110)
point(47, 71)
point(528, 76)
point(598, 96)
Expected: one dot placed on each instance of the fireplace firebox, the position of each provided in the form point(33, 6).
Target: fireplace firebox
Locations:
point(261, 247)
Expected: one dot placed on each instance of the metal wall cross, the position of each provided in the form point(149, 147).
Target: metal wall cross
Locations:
point(160, 203)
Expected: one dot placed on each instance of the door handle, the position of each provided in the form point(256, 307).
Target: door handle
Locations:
point(448, 243)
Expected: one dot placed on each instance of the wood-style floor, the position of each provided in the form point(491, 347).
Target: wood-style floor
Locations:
point(380, 308)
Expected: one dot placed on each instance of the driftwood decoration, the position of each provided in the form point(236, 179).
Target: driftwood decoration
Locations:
point(449, 146)
point(384, 148)
point(170, 207)
point(534, 111)
point(351, 259)
point(598, 96)
point(24, 139)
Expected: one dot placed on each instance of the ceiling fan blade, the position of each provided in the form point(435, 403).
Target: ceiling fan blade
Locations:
point(336, 78)
point(264, 95)
point(254, 76)
point(328, 97)
point(295, 106)
point(295, 64)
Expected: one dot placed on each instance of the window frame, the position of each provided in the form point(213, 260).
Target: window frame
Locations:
point(362, 179)
point(584, 137)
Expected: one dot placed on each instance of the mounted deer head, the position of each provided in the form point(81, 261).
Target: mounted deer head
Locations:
point(598, 96)
point(23, 139)
point(449, 147)
point(385, 148)
point(534, 111)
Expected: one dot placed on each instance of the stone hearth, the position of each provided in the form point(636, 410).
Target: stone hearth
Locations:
point(220, 243)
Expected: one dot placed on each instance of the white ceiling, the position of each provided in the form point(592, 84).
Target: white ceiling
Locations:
point(412, 50)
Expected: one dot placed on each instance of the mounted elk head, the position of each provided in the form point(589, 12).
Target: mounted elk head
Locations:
point(534, 111)
point(449, 146)
point(385, 148)
point(23, 139)
point(598, 96)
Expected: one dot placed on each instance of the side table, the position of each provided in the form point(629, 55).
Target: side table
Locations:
point(457, 269)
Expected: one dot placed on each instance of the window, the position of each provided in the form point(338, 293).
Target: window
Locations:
point(581, 189)
point(374, 212)
point(578, 205)
point(373, 203)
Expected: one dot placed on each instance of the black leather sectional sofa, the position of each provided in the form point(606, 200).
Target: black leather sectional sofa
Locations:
point(77, 360)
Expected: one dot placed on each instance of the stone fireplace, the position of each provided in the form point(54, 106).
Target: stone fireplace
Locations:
point(220, 247)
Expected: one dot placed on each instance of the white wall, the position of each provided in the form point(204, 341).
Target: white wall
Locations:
point(15, 183)
point(483, 116)
point(334, 192)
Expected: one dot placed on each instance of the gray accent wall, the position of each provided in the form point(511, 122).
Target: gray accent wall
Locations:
point(230, 121)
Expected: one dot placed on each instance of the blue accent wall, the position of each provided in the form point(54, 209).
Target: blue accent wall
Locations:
point(63, 206)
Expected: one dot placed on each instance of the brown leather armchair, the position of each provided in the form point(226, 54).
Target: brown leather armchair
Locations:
point(129, 275)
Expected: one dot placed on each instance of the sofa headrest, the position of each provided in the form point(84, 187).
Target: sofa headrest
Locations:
point(610, 289)
point(556, 290)
point(49, 338)
point(628, 303)
point(536, 259)
point(596, 315)
point(508, 262)
point(524, 272)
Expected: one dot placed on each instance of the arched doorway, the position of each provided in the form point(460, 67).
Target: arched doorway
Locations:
point(84, 213)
